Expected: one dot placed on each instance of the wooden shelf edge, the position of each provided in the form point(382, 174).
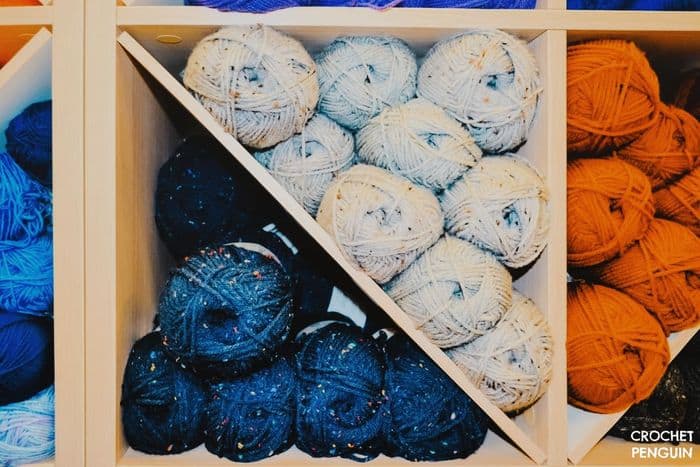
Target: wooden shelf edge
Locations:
point(23, 15)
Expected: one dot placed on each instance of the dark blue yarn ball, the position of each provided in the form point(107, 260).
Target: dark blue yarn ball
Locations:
point(162, 403)
point(227, 311)
point(26, 277)
point(340, 372)
point(26, 356)
point(660, 5)
point(431, 419)
point(252, 418)
point(29, 140)
point(495, 4)
point(250, 6)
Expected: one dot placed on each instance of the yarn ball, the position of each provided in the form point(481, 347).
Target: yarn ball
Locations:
point(376, 4)
point(678, 5)
point(380, 221)
point(511, 364)
point(26, 356)
point(502, 206)
point(688, 94)
point(430, 418)
point(226, 311)
point(490, 4)
point(247, 6)
point(202, 198)
point(26, 277)
point(616, 351)
point(306, 164)
point(662, 272)
point(259, 84)
point(252, 418)
point(27, 431)
point(455, 292)
point(25, 204)
point(360, 76)
point(664, 410)
point(612, 95)
point(609, 207)
point(667, 150)
point(680, 201)
point(419, 141)
point(489, 81)
point(340, 399)
point(29, 140)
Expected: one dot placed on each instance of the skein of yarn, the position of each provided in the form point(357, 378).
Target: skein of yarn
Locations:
point(260, 84)
point(680, 201)
point(512, 363)
point(662, 272)
point(252, 418)
point(678, 5)
point(29, 140)
point(26, 356)
point(616, 352)
point(667, 150)
point(340, 398)
point(248, 6)
point(162, 403)
point(227, 311)
point(612, 95)
point(609, 207)
point(430, 418)
point(419, 141)
point(380, 221)
point(500, 205)
point(27, 431)
point(455, 292)
point(26, 277)
point(489, 81)
point(491, 4)
point(360, 76)
point(306, 164)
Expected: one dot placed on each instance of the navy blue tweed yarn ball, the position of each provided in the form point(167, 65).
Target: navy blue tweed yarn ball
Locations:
point(340, 372)
point(29, 140)
point(252, 417)
point(26, 276)
point(248, 6)
point(162, 403)
point(657, 5)
point(26, 356)
point(226, 311)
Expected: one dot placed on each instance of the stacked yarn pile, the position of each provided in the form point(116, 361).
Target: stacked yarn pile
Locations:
point(671, 5)
point(26, 289)
point(631, 227)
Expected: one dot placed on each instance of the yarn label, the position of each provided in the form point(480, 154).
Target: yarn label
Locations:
point(662, 452)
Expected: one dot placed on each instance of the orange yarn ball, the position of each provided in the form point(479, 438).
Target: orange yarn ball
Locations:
point(668, 149)
point(616, 352)
point(612, 95)
point(609, 207)
point(680, 201)
point(662, 272)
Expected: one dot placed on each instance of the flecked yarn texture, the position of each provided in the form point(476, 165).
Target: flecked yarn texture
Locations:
point(455, 292)
point(500, 205)
point(680, 201)
point(616, 352)
point(609, 207)
point(430, 418)
point(419, 141)
point(227, 311)
point(662, 272)
point(252, 418)
point(612, 95)
point(252, 6)
point(26, 356)
point(489, 81)
point(27, 430)
point(680, 5)
point(260, 84)
point(307, 163)
point(29, 140)
point(26, 277)
point(380, 221)
point(162, 404)
point(341, 394)
point(491, 4)
point(511, 364)
point(668, 149)
point(360, 76)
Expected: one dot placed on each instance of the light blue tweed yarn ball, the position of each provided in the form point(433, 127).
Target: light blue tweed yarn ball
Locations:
point(27, 430)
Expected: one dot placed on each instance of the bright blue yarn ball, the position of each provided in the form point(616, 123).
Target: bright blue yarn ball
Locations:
point(226, 311)
point(26, 356)
point(29, 140)
point(340, 372)
point(27, 430)
point(431, 419)
point(26, 277)
point(670, 5)
point(252, 418)
point(249, 6)
point(162, 403)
